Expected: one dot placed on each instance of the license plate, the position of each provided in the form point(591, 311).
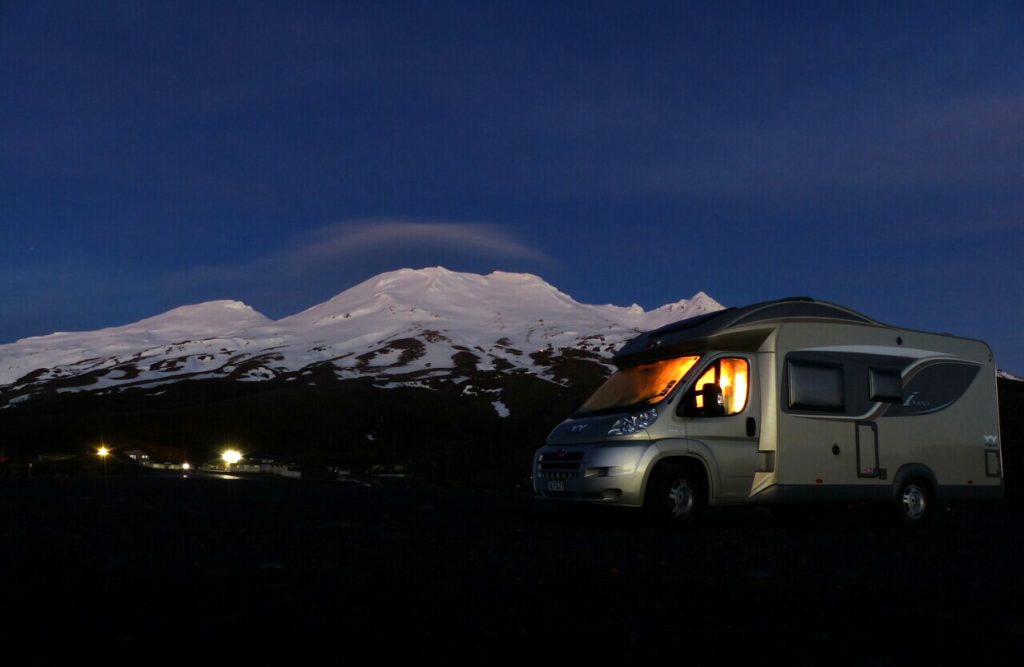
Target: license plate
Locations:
point(555, 485)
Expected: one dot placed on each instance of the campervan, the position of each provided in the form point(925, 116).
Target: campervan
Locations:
point(788, 401)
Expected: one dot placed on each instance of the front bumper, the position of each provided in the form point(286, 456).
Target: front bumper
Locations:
point(610, 473)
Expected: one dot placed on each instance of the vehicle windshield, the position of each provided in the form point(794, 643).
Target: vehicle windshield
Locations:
point(643, 384)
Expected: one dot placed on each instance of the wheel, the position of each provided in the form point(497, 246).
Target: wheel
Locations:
point(914, 502)
point(676, 494)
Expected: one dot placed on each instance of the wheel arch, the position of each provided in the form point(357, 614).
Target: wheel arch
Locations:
point(911, 471)
point(687, 459)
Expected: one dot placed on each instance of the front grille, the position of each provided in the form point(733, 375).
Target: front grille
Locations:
point(560, 474)
point(560, 465)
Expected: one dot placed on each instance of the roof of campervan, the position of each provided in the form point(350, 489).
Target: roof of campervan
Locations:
point(690, 334)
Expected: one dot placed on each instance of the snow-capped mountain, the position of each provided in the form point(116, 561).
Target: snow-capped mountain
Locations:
point(403, 327)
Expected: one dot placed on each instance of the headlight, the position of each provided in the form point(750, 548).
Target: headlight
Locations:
point(633, 423)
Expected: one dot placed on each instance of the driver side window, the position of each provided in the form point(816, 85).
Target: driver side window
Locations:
point(720, 391)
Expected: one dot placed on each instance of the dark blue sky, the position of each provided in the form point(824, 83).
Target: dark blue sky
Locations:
point(157, 154)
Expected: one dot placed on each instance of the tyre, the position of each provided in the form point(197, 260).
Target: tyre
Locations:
point(914, 502)
point(676, 494)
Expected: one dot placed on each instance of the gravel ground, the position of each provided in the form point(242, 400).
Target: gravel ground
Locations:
point(128, 568)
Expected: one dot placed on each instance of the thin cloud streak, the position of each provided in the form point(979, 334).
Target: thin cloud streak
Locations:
point(326, 247)
point(345, 239)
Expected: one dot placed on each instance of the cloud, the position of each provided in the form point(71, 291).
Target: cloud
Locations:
point(316, 264)
point(342, 240)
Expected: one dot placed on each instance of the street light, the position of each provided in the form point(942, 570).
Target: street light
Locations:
point(103, 452)
point(230, 456)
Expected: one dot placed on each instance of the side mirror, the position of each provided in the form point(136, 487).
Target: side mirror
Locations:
point(714, 400)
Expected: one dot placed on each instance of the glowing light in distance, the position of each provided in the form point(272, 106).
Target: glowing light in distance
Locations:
point(231, 456)
point(103, 452)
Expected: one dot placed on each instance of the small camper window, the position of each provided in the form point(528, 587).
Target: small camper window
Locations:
point(884, 384)
point(814, 386)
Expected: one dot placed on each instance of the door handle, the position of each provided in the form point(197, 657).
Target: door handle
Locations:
point(835, 449)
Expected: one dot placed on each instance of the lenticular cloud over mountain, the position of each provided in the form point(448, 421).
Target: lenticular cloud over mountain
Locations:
point(402, 328)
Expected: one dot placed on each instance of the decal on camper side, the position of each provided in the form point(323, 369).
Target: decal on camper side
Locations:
point(933, 387)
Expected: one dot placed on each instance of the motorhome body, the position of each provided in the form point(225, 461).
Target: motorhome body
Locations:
point(793, 400)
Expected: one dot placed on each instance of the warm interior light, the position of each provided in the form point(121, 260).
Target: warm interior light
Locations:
point(739, 394)
point(731, 375)
point(733, 381)
point(707, 378)
point(640, 384)
point(668, 373)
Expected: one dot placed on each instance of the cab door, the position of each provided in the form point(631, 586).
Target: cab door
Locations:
point(720, 413)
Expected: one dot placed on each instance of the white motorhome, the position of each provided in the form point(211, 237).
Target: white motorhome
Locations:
point(787, 401)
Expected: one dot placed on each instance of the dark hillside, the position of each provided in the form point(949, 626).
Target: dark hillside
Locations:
point(452, 432)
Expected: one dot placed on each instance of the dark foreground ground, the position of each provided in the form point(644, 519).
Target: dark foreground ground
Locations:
point(132, 569)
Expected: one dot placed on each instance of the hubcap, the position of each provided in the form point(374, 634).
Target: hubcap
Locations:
point(682, 498)
point(914, 503)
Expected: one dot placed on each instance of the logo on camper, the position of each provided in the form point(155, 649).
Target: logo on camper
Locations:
point(915, 402)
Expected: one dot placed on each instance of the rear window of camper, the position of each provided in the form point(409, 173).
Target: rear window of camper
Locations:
point(643, 384)
point(884, 384)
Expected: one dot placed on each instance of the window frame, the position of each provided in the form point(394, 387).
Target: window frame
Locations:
point(684, 408)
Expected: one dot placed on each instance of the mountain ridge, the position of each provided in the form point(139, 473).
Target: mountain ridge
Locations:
point(411, 327)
